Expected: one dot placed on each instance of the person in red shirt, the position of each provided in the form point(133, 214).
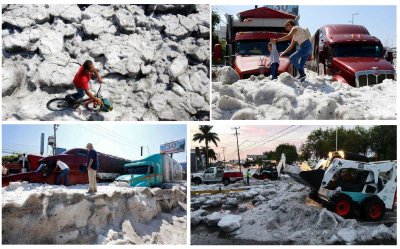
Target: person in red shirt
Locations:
point(81, 81)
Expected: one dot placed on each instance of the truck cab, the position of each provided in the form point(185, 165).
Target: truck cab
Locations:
point(152, 171)
point(248, 35)
point(109, 168)
point(350, 55)
point(142, 174)
point(252, 54)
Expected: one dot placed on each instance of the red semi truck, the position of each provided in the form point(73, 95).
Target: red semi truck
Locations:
point(110, 167)
point(351, 55)
point(247, 38)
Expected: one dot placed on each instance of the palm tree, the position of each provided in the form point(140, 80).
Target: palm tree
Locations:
point(211, 154)
point(208, 136)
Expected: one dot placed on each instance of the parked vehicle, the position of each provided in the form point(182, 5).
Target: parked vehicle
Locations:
point(247, 39)
point(216, 175)
point(153, 171)
point(350, 55)
point(270, 169)
point(110, 167)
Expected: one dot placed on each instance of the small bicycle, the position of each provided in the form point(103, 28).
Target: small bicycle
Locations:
point(61, 104)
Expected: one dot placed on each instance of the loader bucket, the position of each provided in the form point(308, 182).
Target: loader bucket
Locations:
point(311, 178)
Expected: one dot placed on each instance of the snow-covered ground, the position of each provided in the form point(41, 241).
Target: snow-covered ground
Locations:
point(49, 214)
point(319, 97)
point(278, 212)
point(154, 59)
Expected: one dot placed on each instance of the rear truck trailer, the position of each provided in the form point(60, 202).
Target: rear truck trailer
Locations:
point(247, 37)
point(110, 167)
point(351, 55)
point(158, 170)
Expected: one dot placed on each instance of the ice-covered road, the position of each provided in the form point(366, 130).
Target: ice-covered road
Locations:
point(285, 98)
point(279, 212)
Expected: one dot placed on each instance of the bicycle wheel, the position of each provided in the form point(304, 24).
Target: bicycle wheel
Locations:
point(92, 106)
point(57, 104)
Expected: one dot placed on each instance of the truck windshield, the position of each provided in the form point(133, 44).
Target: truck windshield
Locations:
point(357, 50)
point(139, 170)
point(259, 47)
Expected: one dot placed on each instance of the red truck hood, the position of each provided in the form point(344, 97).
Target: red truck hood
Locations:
point(250, 63)
point(17, 177)
point(355, 64)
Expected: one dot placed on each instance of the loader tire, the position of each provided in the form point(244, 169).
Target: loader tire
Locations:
point(373, 208)
point(342, 204)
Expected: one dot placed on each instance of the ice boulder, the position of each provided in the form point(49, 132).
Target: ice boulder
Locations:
point(230, 223)
point(197, 216)
point(347, 234)
point(214, 218)
point(227, 75)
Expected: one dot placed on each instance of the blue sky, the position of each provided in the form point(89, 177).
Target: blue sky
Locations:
point(122, 140)
point(379, 20)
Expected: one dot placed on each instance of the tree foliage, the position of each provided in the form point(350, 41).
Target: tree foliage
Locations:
point(379, 141)
point(207, 136)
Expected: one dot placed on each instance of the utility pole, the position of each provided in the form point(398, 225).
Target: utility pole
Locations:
point(352, 17)
point(55, 127)
point(336, 138)
point(237, 144)
point(223, 151)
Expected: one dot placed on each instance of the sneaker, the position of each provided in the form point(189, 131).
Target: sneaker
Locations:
point(301, 78)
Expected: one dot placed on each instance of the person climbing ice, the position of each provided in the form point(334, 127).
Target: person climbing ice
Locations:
point(301, 37)
point(274, 59)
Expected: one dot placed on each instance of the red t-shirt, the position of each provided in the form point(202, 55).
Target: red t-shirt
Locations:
point(81, 79)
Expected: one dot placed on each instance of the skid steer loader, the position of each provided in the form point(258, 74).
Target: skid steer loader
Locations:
point(350, 187)
point(270, 169)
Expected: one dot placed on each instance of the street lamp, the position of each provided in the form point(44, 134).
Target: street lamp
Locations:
point(352, 17)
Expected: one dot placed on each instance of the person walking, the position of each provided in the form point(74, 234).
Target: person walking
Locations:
point(92, 166)
point(64, 174)
point(300, 36)
point(248, 176)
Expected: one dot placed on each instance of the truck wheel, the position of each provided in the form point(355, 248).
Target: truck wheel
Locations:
point(226, 181)
point(197, 181)
point(342, 204)
point(373, 208)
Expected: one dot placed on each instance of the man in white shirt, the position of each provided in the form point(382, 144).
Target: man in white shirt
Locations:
point(63, 174)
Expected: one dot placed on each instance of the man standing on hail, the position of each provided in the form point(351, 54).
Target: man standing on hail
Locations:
point(92, 166)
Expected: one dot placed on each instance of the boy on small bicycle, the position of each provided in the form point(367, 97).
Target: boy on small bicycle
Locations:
point(81, 81)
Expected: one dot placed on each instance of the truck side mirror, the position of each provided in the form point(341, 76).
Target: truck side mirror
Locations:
point(217, 54)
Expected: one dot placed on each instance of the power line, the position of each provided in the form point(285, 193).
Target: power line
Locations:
point(265, 139)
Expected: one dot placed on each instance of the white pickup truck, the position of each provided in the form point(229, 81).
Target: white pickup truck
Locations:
point(215, 175)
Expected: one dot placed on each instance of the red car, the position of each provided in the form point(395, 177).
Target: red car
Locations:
point(110, 167)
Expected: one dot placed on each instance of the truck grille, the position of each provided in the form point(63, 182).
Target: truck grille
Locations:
point(372, 77)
